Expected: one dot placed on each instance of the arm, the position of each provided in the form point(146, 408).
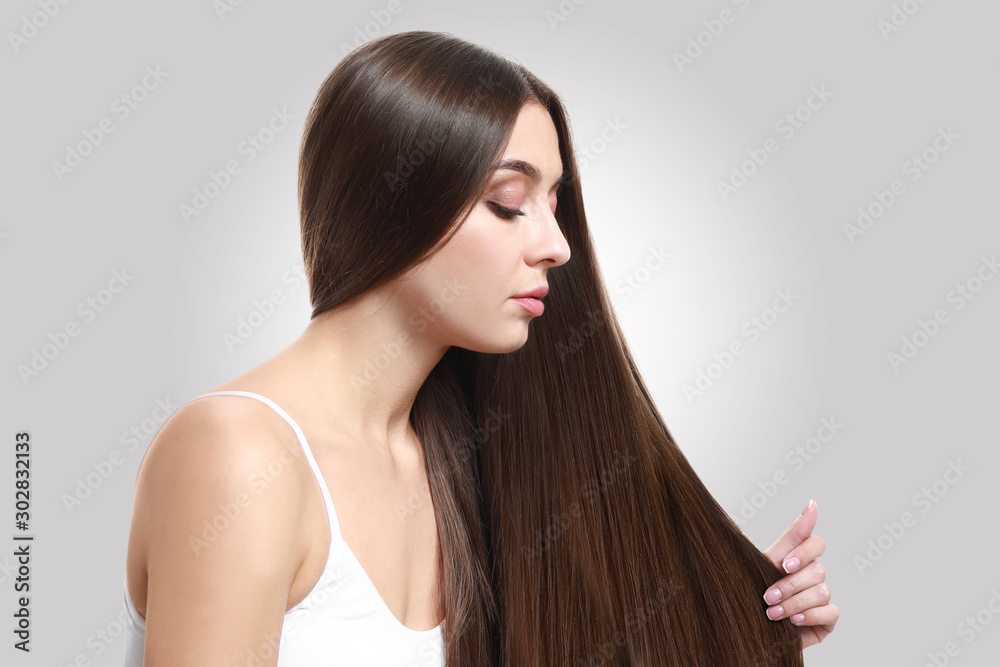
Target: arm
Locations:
point(802, 594)
point(220, 553)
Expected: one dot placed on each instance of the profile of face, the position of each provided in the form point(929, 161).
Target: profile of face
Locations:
point(462, 295)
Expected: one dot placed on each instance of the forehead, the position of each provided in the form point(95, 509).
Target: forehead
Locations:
point(534, 140)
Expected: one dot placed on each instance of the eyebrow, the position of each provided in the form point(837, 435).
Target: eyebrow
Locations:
point(531, 171)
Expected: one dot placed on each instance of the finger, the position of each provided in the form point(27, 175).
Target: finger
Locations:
point(816, 624)
point(809, 575)
point(814, 596)
point(826, 616)
point(805, 553)
point(796, 533)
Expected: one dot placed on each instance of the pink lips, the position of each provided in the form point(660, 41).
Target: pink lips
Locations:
point(531, 300)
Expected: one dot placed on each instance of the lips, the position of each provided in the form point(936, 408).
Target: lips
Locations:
point(533, 306)
point(531, 300)
point(534, 293)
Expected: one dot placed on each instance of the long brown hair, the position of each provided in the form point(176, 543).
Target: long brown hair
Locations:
point(573, 530)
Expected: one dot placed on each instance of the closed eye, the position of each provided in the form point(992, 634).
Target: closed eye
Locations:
point(505, 213)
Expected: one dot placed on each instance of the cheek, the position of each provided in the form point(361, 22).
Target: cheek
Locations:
point(553, 201)
point(486, 247)
point(483, 257)
point(468, 267)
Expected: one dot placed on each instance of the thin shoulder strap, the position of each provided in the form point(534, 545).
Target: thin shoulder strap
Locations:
point(327, 499)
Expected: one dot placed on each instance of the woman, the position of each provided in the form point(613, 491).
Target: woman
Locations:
point(505, 490)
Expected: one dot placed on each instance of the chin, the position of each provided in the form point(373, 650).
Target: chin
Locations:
point(514, 341)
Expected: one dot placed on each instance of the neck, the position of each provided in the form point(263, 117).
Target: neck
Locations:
point(363, 366)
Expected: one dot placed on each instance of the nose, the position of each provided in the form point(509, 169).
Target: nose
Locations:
point(548, 242)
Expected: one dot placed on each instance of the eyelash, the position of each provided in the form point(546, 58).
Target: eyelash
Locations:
point(505, 213)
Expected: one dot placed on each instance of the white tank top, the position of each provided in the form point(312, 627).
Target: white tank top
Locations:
point(342, 621)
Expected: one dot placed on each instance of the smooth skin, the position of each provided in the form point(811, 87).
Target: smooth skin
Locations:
point(220, 599)
point(210, 605)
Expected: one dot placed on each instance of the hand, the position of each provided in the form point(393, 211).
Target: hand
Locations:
point(801, 594)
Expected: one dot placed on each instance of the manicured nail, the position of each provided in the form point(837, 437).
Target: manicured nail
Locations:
point(774, 613)
point(791, 565)
point(772, 595)
point(810, 504)
point(798, 618)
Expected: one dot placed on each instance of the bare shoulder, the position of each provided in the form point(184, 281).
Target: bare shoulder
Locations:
point(218, 449)
point(211, 542)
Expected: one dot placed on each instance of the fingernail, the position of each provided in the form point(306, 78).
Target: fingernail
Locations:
point(798, 618)
point(810, 504)
point(774, 613)
point(791, 565)
point(772, 595)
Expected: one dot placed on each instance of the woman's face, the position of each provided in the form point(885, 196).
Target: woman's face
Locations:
point(462, 294)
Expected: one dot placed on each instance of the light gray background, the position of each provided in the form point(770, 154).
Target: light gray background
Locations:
point(653, 184)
